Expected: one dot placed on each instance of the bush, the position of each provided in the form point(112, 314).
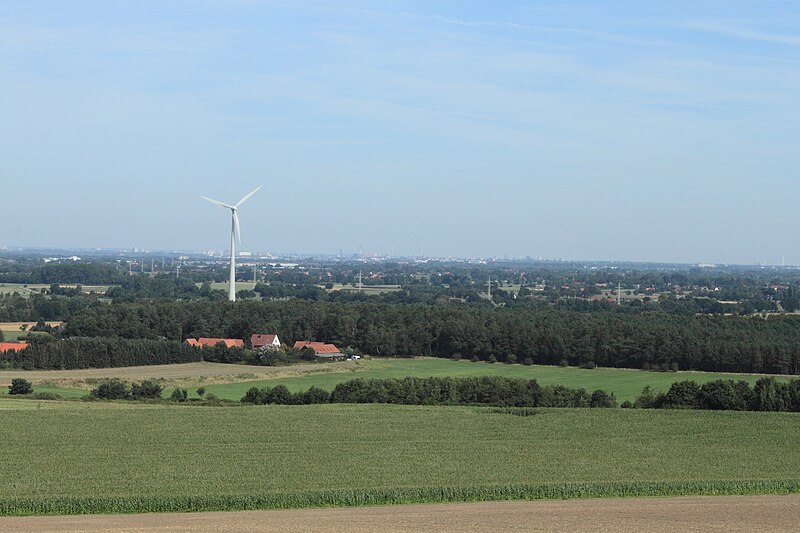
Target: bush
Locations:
point(253, 395)
point(201, 391)
point(280, 395)
point(589, 365)
point(46, 396)
point(647, 399)
point(111, 390)
point(316, 395)
point(601, 398)
point(20, 386)
point(179, 395)
point(721, 395)
point(146, 390)
point(682, 394)
point(770, 395)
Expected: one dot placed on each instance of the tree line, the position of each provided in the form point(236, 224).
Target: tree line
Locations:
point(97, 352)
point(487, 390)
point(725, 394)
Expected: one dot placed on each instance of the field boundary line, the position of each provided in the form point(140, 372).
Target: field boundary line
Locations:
point(371, 497)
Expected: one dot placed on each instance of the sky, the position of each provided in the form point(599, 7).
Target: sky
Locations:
point(583, 130)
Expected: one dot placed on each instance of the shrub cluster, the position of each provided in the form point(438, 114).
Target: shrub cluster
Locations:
point(20, 386)
point(488, 390)
point(725, 394)
point(119, 390)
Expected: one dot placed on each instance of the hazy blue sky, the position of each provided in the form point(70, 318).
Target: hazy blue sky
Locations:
point(662, 131)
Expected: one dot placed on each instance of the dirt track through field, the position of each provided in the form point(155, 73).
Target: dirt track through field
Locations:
point(702, 513)
point(207, 373)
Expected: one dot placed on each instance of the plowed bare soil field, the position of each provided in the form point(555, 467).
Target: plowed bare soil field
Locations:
point(703, 513)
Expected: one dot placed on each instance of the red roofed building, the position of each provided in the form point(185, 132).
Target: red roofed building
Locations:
point(261, 341)
point(12, 346)
point(321, 349)
point(204, 342)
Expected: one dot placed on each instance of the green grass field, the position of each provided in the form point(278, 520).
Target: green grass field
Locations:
point(62, 391)
point(104, 457)
point(366, 289)
point(626, 384)
point(27, 289)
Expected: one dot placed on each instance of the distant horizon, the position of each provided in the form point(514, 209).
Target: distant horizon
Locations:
point(663, 133)
point(222, 254)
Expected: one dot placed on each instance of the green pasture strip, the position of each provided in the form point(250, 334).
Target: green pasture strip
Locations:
point(354, 498)
point(61, 391)
point(626, 384)
point(68, 457)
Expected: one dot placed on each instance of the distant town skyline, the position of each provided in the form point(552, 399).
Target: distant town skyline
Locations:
point(576, 130)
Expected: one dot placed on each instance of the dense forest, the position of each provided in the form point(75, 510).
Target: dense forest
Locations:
point(616, 337)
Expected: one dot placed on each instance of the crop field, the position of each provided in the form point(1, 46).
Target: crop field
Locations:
point(626, 384)
point(78, 457)
point(366, 289)
point(178, 375)
point(14, 330)
point(240, 285)
point(30, 288)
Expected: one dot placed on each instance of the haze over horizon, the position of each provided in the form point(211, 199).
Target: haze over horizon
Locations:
point(660, 133)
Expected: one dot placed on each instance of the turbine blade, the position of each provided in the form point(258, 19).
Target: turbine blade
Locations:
point(243, 200)
point(216, 202)
point(236, 225)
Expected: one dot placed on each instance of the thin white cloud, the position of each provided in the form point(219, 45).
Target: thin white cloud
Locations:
point(745, 33)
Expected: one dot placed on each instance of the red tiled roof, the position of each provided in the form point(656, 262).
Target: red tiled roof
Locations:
point(211, 341)
point(12, 346)
point(318, 347)
point(258, 340)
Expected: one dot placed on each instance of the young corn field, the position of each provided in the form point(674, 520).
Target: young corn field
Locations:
point(70, 457)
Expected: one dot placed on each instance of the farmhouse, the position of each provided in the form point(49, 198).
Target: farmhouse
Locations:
point(12, 346)
point(261, 341)
point(321, 349)
point(204, 342)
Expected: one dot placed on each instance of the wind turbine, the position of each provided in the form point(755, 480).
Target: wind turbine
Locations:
point(235, 235)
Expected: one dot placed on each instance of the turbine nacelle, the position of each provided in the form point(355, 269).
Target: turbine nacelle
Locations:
point(234, 216)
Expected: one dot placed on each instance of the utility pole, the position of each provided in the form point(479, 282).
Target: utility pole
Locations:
point(489, 285)
point(360, 284)
point(178, 270)
point(255, 273)
point(619, 293)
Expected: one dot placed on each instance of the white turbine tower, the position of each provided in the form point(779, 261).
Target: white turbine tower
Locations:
point(235, 235)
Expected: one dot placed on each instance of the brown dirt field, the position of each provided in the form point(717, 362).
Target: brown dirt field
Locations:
point(15, 326)
point(184, 374)
point(701, 513)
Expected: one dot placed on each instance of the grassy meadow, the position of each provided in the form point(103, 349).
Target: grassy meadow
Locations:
point(78, 457)
point(626, 384)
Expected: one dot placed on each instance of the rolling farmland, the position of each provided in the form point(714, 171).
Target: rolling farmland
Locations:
point(626, 384)
point(232, 381)
point(111, 457)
